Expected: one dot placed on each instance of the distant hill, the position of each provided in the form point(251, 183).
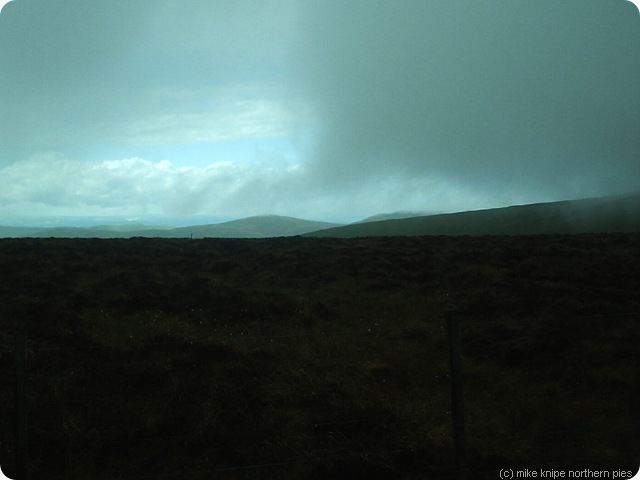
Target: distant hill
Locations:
point(76, 232)
point(392, 216)
point(262, 226)
point(597, 215)
point(604, 214)
point(15, 232)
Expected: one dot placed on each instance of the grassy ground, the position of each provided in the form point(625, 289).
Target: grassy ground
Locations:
point(320, 358)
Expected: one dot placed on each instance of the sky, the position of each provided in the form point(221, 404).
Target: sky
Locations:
point(331, 110)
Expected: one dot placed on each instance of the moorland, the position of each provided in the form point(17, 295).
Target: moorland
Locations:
point(313, 358)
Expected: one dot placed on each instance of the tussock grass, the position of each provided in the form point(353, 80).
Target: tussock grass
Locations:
point(320, 358)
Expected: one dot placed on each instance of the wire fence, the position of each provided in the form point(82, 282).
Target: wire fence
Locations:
point(321, 441)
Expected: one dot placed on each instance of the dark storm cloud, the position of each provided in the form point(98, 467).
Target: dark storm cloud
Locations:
point(540, 96)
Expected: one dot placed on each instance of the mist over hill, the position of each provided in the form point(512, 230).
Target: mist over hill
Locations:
point(392, 216)
point(591, 215)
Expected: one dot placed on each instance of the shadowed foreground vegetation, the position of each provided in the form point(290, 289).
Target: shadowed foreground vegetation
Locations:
point(320, 358)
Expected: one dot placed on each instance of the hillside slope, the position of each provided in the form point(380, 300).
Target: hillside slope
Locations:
point(261, 226)
point(593, 215)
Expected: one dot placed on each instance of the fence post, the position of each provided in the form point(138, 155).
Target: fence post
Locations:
point(457, 401)
point(21, 406)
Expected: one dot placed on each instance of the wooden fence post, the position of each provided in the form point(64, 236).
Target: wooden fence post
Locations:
point(21, 406)
point(457, 400)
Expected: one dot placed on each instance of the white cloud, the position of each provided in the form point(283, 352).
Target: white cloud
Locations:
point(50, 184)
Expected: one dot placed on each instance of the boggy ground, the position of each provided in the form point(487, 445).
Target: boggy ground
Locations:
point(320, 358)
